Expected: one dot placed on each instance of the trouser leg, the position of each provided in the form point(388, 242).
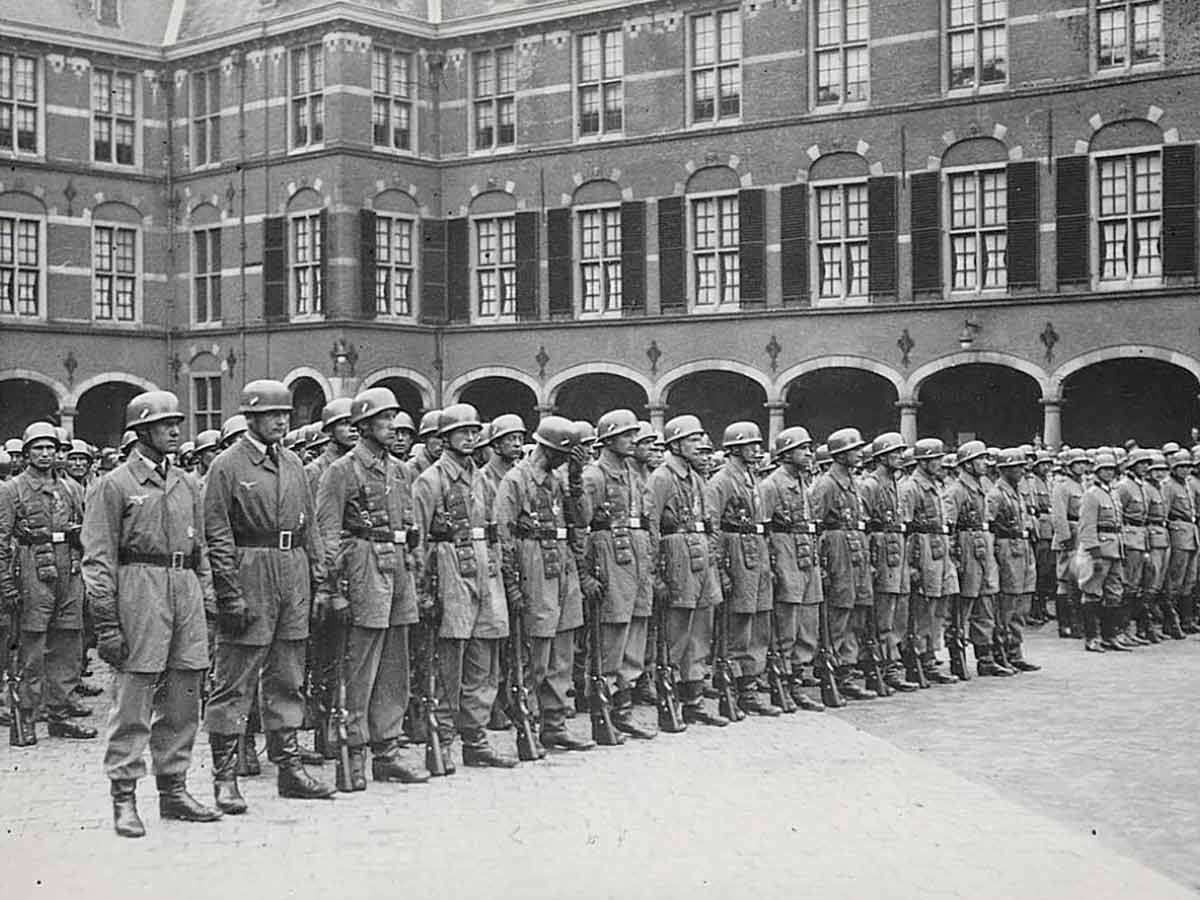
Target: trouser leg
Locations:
point(899, 630)
point(64, 649)
point(983, 624)
point(176, 719)
point(552, 692)
point(451, 657)
point(844, 643)
point(613, 638)
point(741, 648)
point(885, 623)
point(129, 720)
point(480, 683)
point(689, 634)
point(787, 617)
point(393, 687)
point(282, 687)
point(33, 669)
point(238, 667)
point(632, 662)
point(364, 649)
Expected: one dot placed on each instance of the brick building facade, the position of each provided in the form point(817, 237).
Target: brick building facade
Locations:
point(954, 217)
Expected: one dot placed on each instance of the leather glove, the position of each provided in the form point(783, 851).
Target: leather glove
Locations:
point(592, 589)
point(726, 584)
point(110, 644)
point(233, 617)
point(1094, 553)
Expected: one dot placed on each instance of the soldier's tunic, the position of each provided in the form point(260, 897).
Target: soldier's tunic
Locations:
point(1100, 535)
point(146, 571)
point(1065, 497)
point(1043, 556)
point(265, 548)
point(1158, 544)
point(978, 578)
point(686, 570)
point(1131, 496)
point(1012, 529)
point(319, 466)
point(420, 461)
point(461, 553)
point(364, 511)
point(928, 556)
point(887, 528)
point(734, 517)
point(1181, 525)
point(1191, 588)
point(618, 551)
point(40, 517)
point(843, 559)
point(530, 515)
point(793, 547)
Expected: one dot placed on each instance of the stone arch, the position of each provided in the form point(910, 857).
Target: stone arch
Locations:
point(1126, 130)
point(116, 211)
point(784, 381)
point(492, 202)
point(556, 381)
point(1119, 351)
point(100, 418)
point(494, 395)
point(838, 164)
point(974, 151)
point(664, 383)
point(595, 191)
point(912, 386)
point(711, 179)
point(26, 397)
point(984, 396)
point(423, 385)
point(60, 390)
point(305, 198)
point(455, 387)
point(394, 200)
point(87, 384)
point(22, 202)
point(309, 372)
point(204, 213)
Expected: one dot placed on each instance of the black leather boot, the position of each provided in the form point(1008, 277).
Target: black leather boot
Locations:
point(174, 801)
point(126, 821)
point(623, 721)
point(477, 752)
point(386, 765)
point(224, 762)
point(247, 756)
point(750, 701)
point(293, 781)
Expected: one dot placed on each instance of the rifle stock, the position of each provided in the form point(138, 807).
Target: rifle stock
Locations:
point(604, 732)
point(518, 709)
point(874, 659)
point(824, 663)
point(722, 677)
point(670, 708)
point(21, 730)
point(780, 696)
point(338, 715)
point(913, 670)
point(958, 641)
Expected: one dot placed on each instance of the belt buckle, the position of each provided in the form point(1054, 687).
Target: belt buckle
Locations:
point(698, 527)
point(634, 522)
point(759, 528)
point(862, 525)
point(400, 536)
point(177, 558)
point(285, 540)
point(812, 528)
point(984, 526)
point(58, 537)
point(478, 534)
point(560, 534)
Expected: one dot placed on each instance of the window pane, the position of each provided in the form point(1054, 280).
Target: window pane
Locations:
point(379, 71)
point(995, 272)
point(858, 277)
point(962, 201)
point(857, 74)
point(505, 72)
point(856, 20)
point(508, 240)
point(1112, 251)
point(962, 59)
point(831, 270)
point(506, 132)
point(731, 36)
point(1113, 191)
point(706, 280)
point(614, 63)
point(1146, 248)
point(590, 274)
point(613, 107)
point(703, 95)
point(1147, 32)
point(1147, 183)
point(379, 121)
point(6, 77)
point(856, 210)
point(401, 129)
point(994, 63)
point(589, 110)
point(964, 260)
point(589, 57)
point(829, 213)
point(704, 224)
point(589, 234)
point(1111, 27)
point(731, 91)
point(703, 41)
point(484, 124)
point(962, 12)
point(829, 22)
point(829, 76)
point(485, 74)
point(995, 198)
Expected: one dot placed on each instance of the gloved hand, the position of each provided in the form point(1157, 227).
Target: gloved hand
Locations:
point(661, 593)
point(110, 644)
point(233, 617)
point(591, 587)
point(1094, 553)
point(726, 585)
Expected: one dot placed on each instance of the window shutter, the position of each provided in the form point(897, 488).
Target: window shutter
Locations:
point(793, 243)
point(633, 258)
point(1071, 220)
point(1179, 210)
point(672, 280)
point(926, 232)
point(558, 258)
point(433, 271)
point(366, 262)
point(752, 260)
point(1022, 240)
point(458, 271)
point(527, 266)
point(323, 218)
point(275, 281)
point(881, 237)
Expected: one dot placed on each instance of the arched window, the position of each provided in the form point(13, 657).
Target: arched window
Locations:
point(839, 188)
point(714, 231)
point(494, 241)
point(976, 213)
point(116, 263)
point(1127, 160)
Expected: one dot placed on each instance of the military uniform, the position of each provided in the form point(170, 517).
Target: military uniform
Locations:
point(1012, 530)
point(1100, 526)
point(1158, 546)
point(1181, 563)
point(928, 556)
point(975, 552)
point(886, 528)
point(1131, 496)
point(1043, 556)
point(1065, 497)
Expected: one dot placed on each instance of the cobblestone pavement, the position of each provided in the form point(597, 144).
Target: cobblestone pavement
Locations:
point(954, 792)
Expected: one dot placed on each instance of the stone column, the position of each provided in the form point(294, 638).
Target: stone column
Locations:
point(908, 419)
point(544, 409)
point(775, 411)
point(658, 415)
point(344, 386)
point(1052, 414)
point(66, 418)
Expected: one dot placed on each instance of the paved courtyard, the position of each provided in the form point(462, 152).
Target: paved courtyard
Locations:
point(1076, 781)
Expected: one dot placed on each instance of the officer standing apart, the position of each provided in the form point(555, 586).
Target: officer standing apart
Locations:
point(41, 513)
point(265, 551)
point(146, 575)
point(1012, 528)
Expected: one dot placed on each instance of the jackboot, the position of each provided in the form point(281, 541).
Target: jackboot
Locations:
point(1110, 630)
point(851, 689)
point(65, 728)
point(751, 701)
point(224, 766)
point(1063, 613)
point(292, 780)
point(623, 721)
point(1170, 611)
point(247, 756)
point(986, 666)
point(801, 699)
point(645, 692)
point(477, 752)
point(386, 765)
point(174, 801)
point(933, 674)
point(556, 737)
point(126, 821)
point(358, 768)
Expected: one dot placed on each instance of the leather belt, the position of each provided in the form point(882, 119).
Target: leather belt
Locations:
point(925, 528)
point(176, 560)
point(51, 537)
point(964, 529)
point(1107, 529)
point(1190, 521)
point(633, 523)
point(694, 528)
point(1012, 534)
point(540, 534)
point(885, 528)
point(1137, 522)
point(754, 528)
point(272, 540)
point(382, 535)
point(794, 528)
point(488, 533)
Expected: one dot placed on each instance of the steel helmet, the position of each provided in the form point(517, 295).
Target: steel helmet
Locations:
point(681, 427)
point(13, 445)
point(929, 448)
point(291, 438)
point(557, 433)
point(645, 432)
point(266, 395)
point(790, 439)
point(1178, 458)
point(585, 432)
point(186, 449)
point(739, 434)
point(1170, 447)
point(151, 407)
point(1157, 460)
point(615, 422)
point(372, 402)
point(335, 411)
point(844, 440)
point(507, 423)
point(909, 459)
point(430, 424)
point(1106, 460)
point(1043, 456)
point(44, 431)
point(64, 441)
point(1138, 455)
point(949, 461)
point(232, 427)
point(485, 435)
point(207, 440)
point(886, 443)
point(971, 450)
point(1072, 456)
point(822, 455)
point(1027, 449)
point(404, 422)
point(80, 448)
point(459, 415)
point(316, 435)
point(1011, 457)
point(128, 439)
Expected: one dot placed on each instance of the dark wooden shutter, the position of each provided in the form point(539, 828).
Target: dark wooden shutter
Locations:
point(1071, 219)
point(323, 219)
point(672, 278)
point(926, 232)
point(793, 243)
point(633, 258)
point(528, 293)
point(366, 263)
point(558, 259)
point(1023, 219)
point(458, 271)
point(752, 243)
point(1179, 210)
point(881, 237)
point(275, 281)
point(433, 271)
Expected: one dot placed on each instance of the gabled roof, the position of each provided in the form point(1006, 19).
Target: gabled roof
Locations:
point(203, 18)
point(140, 21)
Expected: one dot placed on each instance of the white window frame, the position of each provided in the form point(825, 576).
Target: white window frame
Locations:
point(495, 100)
point(16, 268)
point(606, 81)
point(720, 251)
point(16, 105)
point(210, 277)
point(205, 418)
point(979, 229)
point(135, 276)
point(98, 8)
point(209, 119)
point(1130, 281)
point(500, 267)
point(844, 241)
point(310, 268)
point(1097, 10)
point(716, 67)
point(604, 262)
point(394, 100)
point(976, 29)
point(842, 47)
point(391, 268)
point(308, 100)
point(133, 119)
